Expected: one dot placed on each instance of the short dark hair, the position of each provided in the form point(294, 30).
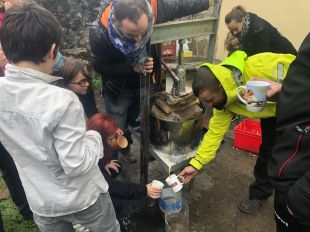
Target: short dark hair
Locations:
point(131, 9)
point(205, 79)
point(237, 13)
point(68, 71)
point(28, 32)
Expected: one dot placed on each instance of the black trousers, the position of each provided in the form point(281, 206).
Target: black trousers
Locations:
point(261, 188)
point(12, 181)
point(1, 224)
point(284, 220)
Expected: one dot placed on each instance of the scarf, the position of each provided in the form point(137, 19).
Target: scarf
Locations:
point(135, 52)
point(246, 27)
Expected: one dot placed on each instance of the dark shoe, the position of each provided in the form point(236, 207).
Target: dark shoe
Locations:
point(129, 157)
point(250, 206)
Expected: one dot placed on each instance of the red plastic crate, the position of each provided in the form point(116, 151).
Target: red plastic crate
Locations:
point(248, 135)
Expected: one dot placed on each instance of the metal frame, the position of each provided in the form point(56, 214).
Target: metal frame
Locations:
point(167, 32)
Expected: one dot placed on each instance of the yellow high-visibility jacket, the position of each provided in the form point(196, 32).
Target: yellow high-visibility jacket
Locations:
point(263, 65)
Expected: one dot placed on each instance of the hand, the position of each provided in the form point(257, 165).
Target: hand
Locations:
point(114, 165)
point(188, 173)
point(152, 191)
point(147, 67)
point(274, 89)
point(3, 60)
point(119, 132)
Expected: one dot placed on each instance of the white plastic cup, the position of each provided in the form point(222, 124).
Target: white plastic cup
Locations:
point(175, 182)
point(158, 184)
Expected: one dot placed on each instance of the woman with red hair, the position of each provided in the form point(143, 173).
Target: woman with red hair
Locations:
point(119, 191)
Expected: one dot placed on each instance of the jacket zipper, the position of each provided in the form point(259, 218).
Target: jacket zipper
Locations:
point(303, 132)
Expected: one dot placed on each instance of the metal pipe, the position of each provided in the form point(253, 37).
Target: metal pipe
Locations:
point(176, 80)
point(174, 76)
point(181, 52)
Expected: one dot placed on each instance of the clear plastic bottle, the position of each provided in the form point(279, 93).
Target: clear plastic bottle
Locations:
point(178, 221)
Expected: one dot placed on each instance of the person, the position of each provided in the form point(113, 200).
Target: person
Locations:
point(120, 191)
point(255, 34)
point(7, 165)
point(77, 79)
point(232, 43)
point(118, 41)
point(43, 128)
point(289, 166)
point(216, 86)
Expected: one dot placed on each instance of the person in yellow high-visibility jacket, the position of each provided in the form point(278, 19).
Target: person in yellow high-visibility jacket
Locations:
point(216, 86)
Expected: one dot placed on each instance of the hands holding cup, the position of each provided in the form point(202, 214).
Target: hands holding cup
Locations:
point(154, 189)
point(175, 182)
point(275, 88)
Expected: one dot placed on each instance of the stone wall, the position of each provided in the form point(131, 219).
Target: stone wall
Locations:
point(75, 17)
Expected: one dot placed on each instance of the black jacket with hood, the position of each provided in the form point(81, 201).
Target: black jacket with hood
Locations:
point(263, 37)
point(289, 168)
point(111, 63)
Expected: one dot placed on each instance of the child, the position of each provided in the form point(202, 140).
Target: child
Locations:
point(43, 128)
point(120, 191)
point(76, 78)
point(232, 43)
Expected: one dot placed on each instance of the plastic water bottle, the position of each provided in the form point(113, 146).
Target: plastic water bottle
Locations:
point(178, 221)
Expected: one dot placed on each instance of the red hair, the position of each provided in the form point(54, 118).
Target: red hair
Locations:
point(106, 126)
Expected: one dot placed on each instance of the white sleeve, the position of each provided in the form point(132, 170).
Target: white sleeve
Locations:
point(78, 150)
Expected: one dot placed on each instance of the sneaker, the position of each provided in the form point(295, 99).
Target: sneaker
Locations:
point(129, 157)
point(250, 206)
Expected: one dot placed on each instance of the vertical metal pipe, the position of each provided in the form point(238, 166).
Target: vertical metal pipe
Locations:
point(181, 52)
point(144, 124)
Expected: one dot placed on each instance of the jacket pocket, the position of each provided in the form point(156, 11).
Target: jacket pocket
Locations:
point(302, 131)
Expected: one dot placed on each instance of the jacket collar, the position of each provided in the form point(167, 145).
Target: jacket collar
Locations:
point(13, 71)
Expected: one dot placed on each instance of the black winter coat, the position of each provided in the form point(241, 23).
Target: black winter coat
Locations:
point(111, 63)
point(289, 168)
point(263, 37)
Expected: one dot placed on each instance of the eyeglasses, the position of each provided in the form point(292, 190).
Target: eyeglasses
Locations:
point(81, 83)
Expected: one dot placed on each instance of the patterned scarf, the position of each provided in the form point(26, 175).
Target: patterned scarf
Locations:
point(246, 27)
point(135, 52)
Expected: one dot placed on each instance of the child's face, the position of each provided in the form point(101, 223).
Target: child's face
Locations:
point(79, 84)
point(110, 140)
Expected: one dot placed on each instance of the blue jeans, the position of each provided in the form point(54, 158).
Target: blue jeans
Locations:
point(98, 217)
point(125, 110)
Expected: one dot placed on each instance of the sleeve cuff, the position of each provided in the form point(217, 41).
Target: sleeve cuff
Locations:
point(196, 164)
